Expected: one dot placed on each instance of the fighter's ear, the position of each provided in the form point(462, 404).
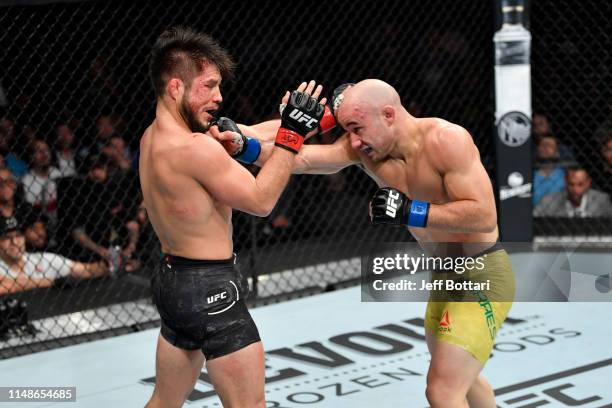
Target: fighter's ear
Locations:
point(175, 88)
point(388, 112)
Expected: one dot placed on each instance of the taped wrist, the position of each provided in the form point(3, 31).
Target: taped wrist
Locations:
point(289, 140)
point(250, 151)
point(418, 213)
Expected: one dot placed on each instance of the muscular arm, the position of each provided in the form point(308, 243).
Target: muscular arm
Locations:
point(230, 183)
point(472, 205)
point(325, 159)
point(312, 159)
point(264, 131)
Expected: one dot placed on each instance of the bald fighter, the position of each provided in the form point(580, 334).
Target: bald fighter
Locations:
point(190, 186)
point(431, 171)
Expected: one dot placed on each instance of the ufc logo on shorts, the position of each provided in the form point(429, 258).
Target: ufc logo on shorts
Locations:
point(392, 204)
point(218, 296)
point(302, 117)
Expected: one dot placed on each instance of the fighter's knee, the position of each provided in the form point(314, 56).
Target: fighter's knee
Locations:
point(441, 392)
point(436, 396)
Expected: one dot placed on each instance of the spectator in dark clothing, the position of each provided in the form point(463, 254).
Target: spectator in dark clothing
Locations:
point(108, 127)
point(118, 156)
point(35, 232)
point(105, 129)
point(602, 172)
point(7, 143)
point(540, 128)
point(12, 206)
point(11, 203)
point(66, 155)
point(103, 216)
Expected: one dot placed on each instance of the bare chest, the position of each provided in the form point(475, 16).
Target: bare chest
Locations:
point(418, 180)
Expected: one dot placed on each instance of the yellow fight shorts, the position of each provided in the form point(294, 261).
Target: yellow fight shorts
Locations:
point(473, 321)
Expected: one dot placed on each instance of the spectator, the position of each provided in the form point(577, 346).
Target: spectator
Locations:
point(602, 173)
point(39, 184)
point(27, 137)
point(540, 128)
point(66, 156)
point(35, 232)
point(7, 140)
point(579, 199)
point(540, 125)
point(105, 129)
point(21, 270)
point(104, 216)
point(118, 156)
point(548, 178)
point(10, 203)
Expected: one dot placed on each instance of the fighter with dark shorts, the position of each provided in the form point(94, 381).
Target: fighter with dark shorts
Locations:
point(202, 306)
point(190, 185)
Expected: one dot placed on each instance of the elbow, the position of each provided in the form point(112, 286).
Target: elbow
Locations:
point(260, 206)
point(263, 210)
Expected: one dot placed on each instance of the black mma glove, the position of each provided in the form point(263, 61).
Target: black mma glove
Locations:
point(250, 148)
point(390, 206)
point(301, 116)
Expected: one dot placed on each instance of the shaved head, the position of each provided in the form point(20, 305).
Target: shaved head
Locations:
point(368, 113)
point(365, 97)
point(372, 93)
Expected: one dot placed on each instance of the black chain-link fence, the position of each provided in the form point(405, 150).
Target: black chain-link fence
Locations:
point(76, 98)
point(572, 124)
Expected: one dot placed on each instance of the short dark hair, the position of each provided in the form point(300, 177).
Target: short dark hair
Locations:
point(576, 168)
point(95, 161)
point(180, 51)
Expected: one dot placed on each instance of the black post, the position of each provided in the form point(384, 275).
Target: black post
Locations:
point(513, 119)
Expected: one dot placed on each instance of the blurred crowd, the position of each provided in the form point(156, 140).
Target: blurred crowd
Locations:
point(570, 181)
point(72, 196)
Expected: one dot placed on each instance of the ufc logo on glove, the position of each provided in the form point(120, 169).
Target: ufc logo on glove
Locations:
point(302, 117)
point(392, 204)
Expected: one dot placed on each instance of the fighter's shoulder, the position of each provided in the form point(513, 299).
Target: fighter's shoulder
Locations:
point(448, 137)
point(449, 144)
point(202, 146)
